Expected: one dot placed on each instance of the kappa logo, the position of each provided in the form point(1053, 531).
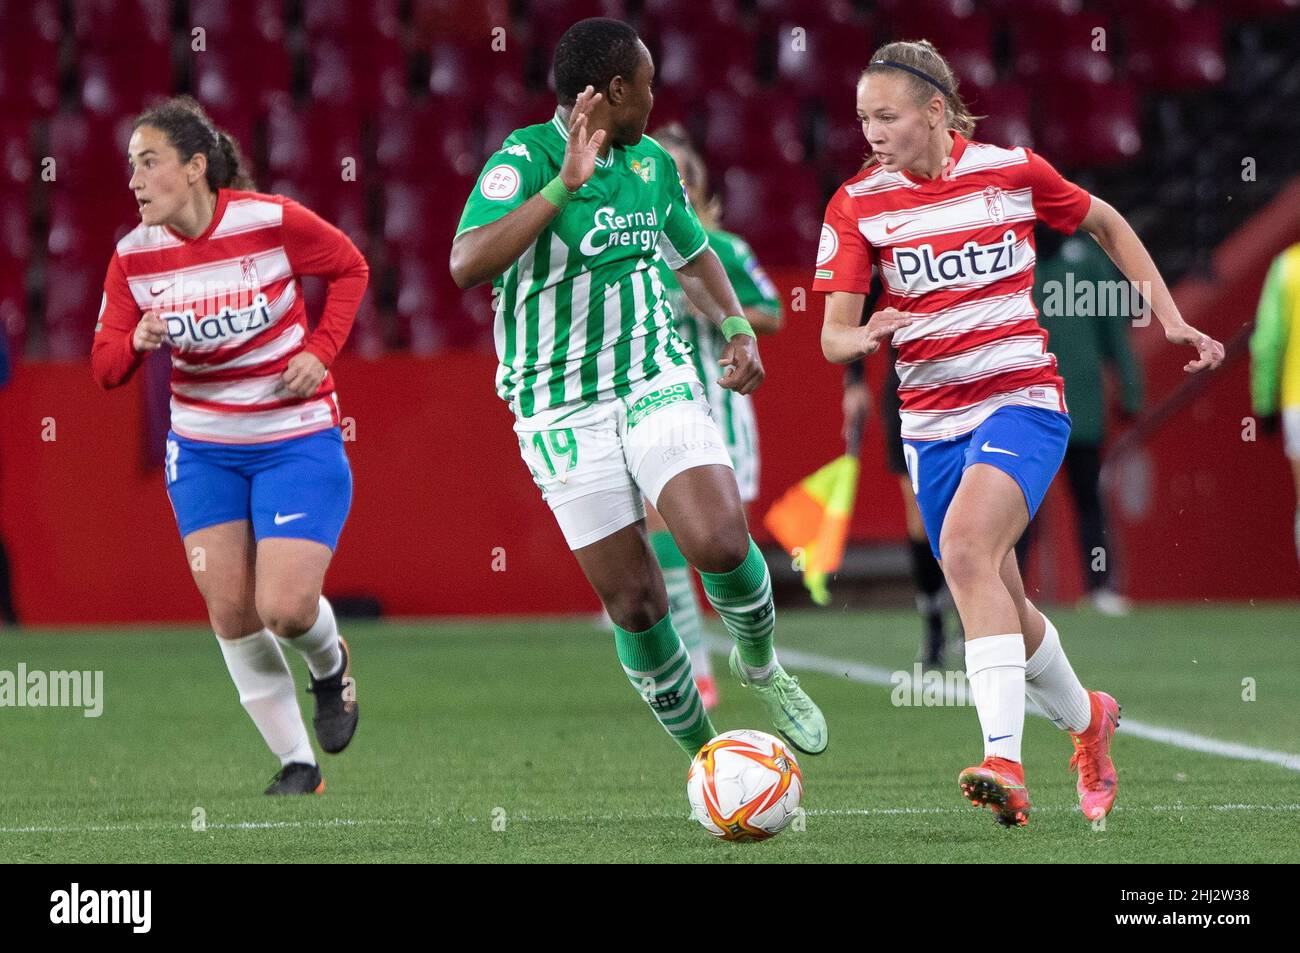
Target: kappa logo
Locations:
point(519, 149)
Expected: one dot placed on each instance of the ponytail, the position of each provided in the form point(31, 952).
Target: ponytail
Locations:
point(187, 127)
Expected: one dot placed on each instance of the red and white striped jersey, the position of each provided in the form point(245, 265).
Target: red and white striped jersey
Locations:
point(958, 253)
point(232, 302)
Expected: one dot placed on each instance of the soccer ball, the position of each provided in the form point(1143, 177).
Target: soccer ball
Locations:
point(744, 785)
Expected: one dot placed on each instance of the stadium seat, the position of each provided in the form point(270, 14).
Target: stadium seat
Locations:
point(1008, 118)
point(660, 15)
point(112, 84)
point(450, 19)
point(695, 63)
point(29, 53)
point(827, 63)
point(1090, 125)
point(547, 21)
point(72, 293)
point(1175, 50)
point(749, 198)
point(1059, 49)
point(742, 128)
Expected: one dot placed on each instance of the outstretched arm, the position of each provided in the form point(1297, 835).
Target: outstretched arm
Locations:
point(1117, 238)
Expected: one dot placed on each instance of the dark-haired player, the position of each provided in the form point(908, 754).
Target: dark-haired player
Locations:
point(566, 221)
point(255, 467)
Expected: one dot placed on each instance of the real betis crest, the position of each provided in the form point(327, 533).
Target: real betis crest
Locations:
point(645, 168)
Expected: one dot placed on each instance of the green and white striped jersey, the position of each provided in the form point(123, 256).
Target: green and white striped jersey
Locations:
point(753, 289)
point(582, 315)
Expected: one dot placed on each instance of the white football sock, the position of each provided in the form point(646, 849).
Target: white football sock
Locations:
point(1051, 684)
point(266, 691)
point(995, 666)
point(319, 645)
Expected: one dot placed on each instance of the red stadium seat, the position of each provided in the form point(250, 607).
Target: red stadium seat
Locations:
point(1090, 125)
point(15, 224)
point(15, 152)
point(13, 305)
point(249, 42)
point(438, 132)
point(29, 53)
point(456, 66)
point(85, 151)
point(660, 15)
point(453, 19)
point(112, 84)
point(547, 21)
point(827, 63)
point(138, 30)
point(1175, 50)
point(1059, 49)
point(741, 128)
point(695, 63)
point(750, 200)
point(1008, 119)
point(72, 293)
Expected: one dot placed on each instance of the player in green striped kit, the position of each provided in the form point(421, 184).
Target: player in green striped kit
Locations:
point(565, 221)
point(733, 412)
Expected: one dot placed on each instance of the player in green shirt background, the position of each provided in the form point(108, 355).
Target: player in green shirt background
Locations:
point(566, 220)
point(734, 412)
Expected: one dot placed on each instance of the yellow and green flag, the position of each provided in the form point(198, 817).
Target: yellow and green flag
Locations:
point(811, 520)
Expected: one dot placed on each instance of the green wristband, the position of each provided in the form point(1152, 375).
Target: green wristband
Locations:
point(557, 193)
point(734, 325)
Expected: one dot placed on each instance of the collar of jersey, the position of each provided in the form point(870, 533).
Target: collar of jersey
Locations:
point(958, 147)
point(563, 130)
point(223, 195)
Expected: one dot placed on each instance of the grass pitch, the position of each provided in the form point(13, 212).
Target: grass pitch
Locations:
point(522, 741)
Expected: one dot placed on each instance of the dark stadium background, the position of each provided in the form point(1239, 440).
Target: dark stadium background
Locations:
point(1164, 123)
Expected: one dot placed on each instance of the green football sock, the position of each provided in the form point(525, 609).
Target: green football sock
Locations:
point(743, 597)
point(683, 608)
point(659, 668)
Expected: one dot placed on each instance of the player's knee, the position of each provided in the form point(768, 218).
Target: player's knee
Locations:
point(288, 615)
point(231, 619)
point(636, 608)
point(716, 549)
point(966, 562)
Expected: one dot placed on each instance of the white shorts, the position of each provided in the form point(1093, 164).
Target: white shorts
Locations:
point(594, 462)
point(1291, 432)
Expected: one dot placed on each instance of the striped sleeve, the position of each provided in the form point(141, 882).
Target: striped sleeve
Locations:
point(315, 247)
point(683, 236)
point(113, 358)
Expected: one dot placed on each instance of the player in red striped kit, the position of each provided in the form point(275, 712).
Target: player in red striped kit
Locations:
point(949, 224)
point(256, 472)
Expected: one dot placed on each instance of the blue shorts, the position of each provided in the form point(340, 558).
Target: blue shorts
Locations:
point(299, 488)
point(1028, 443)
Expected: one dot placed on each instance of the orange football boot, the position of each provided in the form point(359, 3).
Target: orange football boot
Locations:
point(1098, 783)
point(999, 784)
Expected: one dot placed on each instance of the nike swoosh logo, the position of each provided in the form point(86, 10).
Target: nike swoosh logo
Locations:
point(281, 520)
point(890, 229)
point(159, 289)
point(998, 738)
point(987, 449)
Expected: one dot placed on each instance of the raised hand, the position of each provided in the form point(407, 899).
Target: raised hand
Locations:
point(582, 149)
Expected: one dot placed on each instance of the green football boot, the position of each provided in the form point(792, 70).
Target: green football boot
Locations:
point(794, 715)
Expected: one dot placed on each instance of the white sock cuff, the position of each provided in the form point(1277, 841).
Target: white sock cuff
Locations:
point(995, 651)
point(322, 632)
point(1047, 650)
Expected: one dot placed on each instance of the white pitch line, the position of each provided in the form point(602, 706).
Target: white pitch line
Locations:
point(1175, 737)
point(181, 826)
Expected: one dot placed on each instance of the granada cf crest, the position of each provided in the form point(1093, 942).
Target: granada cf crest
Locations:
point(248, 268)
point(993, 202)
